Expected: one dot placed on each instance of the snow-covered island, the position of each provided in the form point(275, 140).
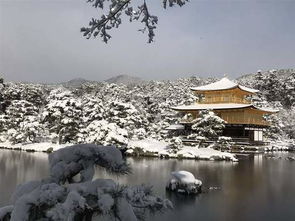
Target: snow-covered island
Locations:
point(184, 182)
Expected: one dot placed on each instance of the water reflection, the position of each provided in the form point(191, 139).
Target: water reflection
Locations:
point(257, 188)
point(18, 167)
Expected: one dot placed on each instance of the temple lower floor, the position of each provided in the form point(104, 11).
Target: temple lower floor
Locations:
point(253, 133)
point(238, 132)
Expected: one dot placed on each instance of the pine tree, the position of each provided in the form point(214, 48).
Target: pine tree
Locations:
point(208, 125)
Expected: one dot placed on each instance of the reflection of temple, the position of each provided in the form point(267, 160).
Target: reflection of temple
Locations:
point(231, 102)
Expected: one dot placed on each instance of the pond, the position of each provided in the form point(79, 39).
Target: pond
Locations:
point(256, 188)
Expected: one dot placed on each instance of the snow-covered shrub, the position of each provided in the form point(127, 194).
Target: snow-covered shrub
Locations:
point(33, 93)
point(13, 136)
point(286, 122)
point(224, 142)
point(140, 133)
point(20, 122)
point(184, 182)
point(92, 109)
point(175, 144)
point(105, 133)
point(207, 124)
point(274, 132)
point(62, 115)
point(62, 197)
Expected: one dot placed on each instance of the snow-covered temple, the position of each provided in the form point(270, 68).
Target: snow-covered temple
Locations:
point(231, 102)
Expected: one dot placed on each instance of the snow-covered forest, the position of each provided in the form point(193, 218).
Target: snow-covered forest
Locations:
point(126, 116)
point(115, 114)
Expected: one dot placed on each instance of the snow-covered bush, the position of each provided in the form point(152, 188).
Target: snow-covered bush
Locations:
point(140, 133)
point(20, 122)
point(105, 133)
point(274, 132)
point(62, 115)
point(175, 144)
point(184, 182)
point(63, 196)
point(207, 124)
point(224, 142)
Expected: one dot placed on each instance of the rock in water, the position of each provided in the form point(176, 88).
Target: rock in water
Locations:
point(184, 182)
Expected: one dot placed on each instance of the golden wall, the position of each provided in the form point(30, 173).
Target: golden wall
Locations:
point(237, 116)
point(223, 96)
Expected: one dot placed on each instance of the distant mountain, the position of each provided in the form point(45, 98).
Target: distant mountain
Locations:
point(76, 82)
point(125, 79)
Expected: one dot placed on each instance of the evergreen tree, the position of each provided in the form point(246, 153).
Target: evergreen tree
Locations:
point(208, 125)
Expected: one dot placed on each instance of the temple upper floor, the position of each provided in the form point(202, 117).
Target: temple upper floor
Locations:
point(223, 91)
point(226, 96)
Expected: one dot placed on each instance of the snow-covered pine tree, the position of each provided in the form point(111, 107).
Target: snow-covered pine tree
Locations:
point(208, 125)
point(275, 131)
point(62, 115)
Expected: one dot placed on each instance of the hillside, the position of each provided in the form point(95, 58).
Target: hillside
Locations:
point(76, 82)
point(125, 79)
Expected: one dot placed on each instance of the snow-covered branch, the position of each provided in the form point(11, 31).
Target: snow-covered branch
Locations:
point(112, 19)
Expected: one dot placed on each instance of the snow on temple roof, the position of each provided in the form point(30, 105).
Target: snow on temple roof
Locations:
point(220, 107)
point(223, 84)
point(211, 106)
point(267, 109)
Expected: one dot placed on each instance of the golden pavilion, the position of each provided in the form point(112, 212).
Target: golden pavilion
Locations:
point(232, 103)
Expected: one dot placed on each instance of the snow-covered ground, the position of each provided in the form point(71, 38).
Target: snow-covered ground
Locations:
point(155, 148)
point(148, 147)
point(151, 147)
point(280, 145)
point(38, 147)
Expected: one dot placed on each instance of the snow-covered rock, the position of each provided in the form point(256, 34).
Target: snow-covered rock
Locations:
point(184, 182)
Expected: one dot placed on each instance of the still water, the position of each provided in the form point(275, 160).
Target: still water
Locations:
point(256, 188)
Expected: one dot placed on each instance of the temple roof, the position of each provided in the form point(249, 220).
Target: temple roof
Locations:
point(222, 106)
point(223, 84)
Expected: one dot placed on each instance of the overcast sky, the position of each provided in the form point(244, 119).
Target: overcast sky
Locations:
point(40, 41)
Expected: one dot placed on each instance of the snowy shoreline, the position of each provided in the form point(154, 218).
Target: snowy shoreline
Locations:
point(34, 147)
point(154, 148)
point(151, 149)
